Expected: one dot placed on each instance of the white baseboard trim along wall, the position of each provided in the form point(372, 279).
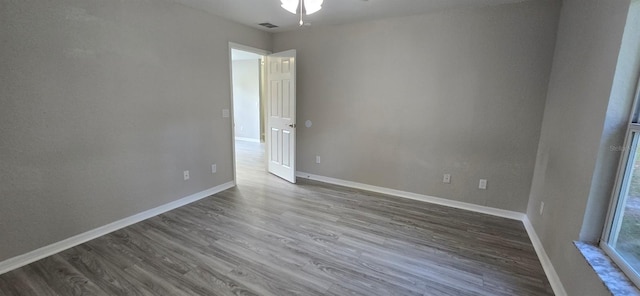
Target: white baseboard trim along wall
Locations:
point(549, 270)
point(410, 195)
point(552, 275)
point(22, 260)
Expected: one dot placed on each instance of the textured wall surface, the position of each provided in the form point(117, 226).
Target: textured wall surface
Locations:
point(589, 39)
point(399, 102)
point(621, 100)
point(103, 105)
point(246, 98)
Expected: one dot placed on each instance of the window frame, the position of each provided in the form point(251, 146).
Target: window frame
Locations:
point(618, 198)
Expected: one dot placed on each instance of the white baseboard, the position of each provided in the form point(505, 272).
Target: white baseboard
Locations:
point(22, 260)
point(415, 196)
point(549, 270)
point(552, 275)
point(248, 139)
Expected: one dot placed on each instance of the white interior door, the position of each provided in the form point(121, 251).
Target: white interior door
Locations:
point(281, 114)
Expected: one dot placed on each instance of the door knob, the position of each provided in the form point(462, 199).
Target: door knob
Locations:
point(293, 125)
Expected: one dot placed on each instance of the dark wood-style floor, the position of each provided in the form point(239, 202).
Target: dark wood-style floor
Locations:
point(268, 237)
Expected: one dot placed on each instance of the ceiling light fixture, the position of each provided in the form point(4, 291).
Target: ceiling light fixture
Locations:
point(304, 7)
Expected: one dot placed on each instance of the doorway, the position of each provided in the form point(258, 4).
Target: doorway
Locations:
point(263, 100)
point(247, 98)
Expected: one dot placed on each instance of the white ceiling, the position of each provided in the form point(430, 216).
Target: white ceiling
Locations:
point(253, 12)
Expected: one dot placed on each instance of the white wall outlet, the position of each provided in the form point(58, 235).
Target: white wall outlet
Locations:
point(446, 178)
point(214, 168)
point(225, 113)
point(482, 184)
point(541, 207)
point(318, 159)
point(186, 175)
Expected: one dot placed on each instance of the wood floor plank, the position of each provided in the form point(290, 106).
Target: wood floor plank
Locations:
point(110, 278)
point(61, 277)
point(269, 237)
point(157, 281)
point(20, 282)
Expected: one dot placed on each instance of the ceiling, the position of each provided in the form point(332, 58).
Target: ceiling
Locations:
point(253, 12)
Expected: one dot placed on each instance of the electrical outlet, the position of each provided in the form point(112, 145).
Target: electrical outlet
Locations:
point(446, 178)
point(225, 113)
point(482, 184)
point(541, 207)
point(186, 175)
point(214, 168)
point(317, 159)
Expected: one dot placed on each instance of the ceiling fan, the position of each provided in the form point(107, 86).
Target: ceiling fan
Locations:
point(304, 7)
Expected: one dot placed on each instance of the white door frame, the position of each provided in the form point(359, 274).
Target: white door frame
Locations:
point(242, 47)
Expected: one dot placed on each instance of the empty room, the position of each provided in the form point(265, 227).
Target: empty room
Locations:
point(319, 147)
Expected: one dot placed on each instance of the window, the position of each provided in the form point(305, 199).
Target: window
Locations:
point(621, 239)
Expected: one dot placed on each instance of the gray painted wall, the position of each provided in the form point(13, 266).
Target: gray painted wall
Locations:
point(615, 126)
point(103, 104)
point(399, 102)
point(573, 134)
point(246, 98)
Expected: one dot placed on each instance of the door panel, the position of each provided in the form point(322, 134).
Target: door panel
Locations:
point(273, 98)
point(274, 146)
point(286, 144)
point(286, 99)
point(281, 116)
